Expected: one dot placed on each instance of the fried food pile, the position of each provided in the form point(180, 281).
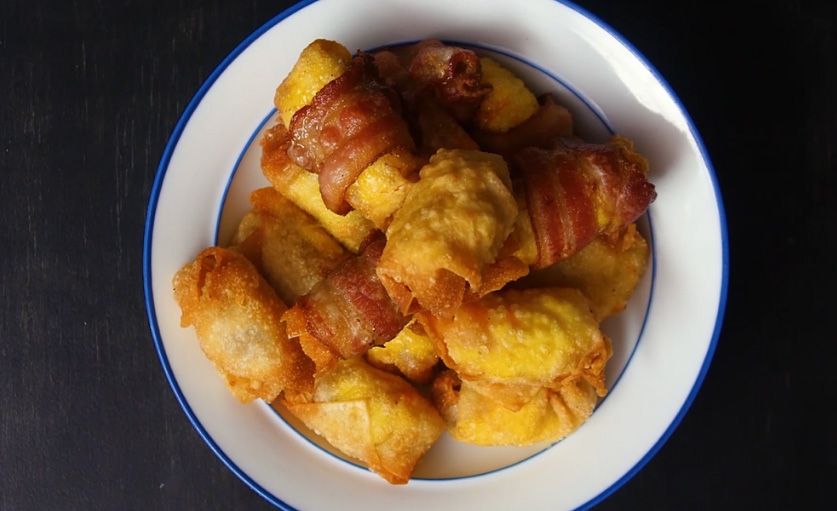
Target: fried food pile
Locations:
point(436, 252)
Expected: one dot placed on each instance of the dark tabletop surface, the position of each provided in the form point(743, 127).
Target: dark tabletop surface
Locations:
point(89, 93)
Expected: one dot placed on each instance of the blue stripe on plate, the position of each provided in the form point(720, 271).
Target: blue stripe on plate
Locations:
point(722, 298)
point(160, 177)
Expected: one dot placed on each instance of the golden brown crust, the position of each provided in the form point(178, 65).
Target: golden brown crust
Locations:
point(288, 246)
point(320, 354)
point(607, 271)
point(547, 124)
point(520, 339)
point(237, 316)
point(410, 353)
point(478, 418)
point(448, 232)
point(371, 415)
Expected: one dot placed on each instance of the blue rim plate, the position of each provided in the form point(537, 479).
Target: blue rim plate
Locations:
point(174, 376)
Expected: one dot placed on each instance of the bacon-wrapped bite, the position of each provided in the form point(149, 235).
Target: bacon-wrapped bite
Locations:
point(548, 416)
point(237, 317)
point(607, 271)
point(410, 353)
point(512, 343)
point(541, 129)
point(298, 185)
point(433, 125)
point(380, 188)
point(350, 122)
point(370, 415)
point(288, 246)
point(450, 74)
point(576, 191)
point(445, 239)
point(348, 312)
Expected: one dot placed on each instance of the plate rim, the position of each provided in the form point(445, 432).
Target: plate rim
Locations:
point(174, 139)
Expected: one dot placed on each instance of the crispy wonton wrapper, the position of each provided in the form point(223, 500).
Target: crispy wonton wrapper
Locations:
point(477, 419)
point(410, 353)
point(607, 271)
point(514, 342)
point(237, 316)
point(290, 248)
point(445, 238)
point(371, 415)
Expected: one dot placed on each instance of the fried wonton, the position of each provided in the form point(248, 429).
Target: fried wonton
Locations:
point(516, 341)
point(607, 271)
point(449, 231)
point(303, 189)
point(475, 418)
point(237, 316)
point(410, 353)
point(371, 415)
point(508, 104)
point(290, 248)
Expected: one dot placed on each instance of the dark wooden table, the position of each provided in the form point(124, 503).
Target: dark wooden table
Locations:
point(89, 92)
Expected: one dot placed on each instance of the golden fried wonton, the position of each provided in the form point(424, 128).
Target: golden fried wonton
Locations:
point(522, 340)
point(371, 415)
point(237, 316)
point(410, 353)
point(290, 248)
point(477, 419)
point(449, 231)
point(607, 271)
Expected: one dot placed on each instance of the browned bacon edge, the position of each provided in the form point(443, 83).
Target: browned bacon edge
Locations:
point(452, 74)
point(350, 311)
point(571, 186)
point(350, 122)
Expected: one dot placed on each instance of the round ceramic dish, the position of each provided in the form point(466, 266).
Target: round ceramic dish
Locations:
point(663, 342)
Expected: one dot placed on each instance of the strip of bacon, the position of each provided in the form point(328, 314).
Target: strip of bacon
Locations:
point(351, 121)
point(452, 74)
point(349, 311)
point(576, 191)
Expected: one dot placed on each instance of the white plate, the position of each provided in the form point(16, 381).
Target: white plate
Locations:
point(663, 342)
